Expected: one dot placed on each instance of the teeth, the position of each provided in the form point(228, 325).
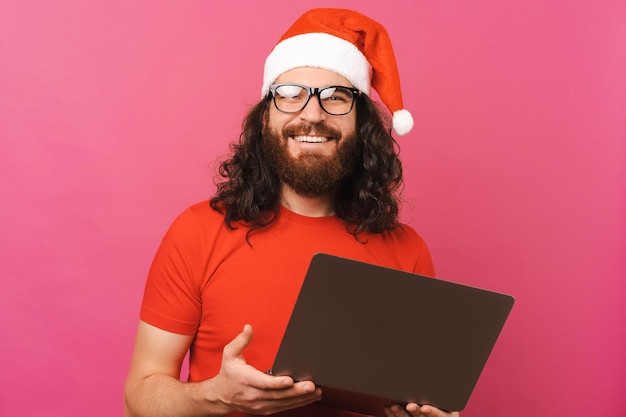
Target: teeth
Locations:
point(311, 139)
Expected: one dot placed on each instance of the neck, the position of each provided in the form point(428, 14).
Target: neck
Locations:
point(317, 206)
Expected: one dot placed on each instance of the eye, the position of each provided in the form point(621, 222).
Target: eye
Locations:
point(338, 94)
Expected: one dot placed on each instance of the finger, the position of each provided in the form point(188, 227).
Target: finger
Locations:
point(288, 403)
point(389, 412)
point(234, 349)
point(431, 411)
point(303, 400)
point(304, 387)
point(283, 386)
point(395, 410)
point(294, 395)
point(280, 400)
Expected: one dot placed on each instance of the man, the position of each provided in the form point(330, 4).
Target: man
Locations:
point(315, 169)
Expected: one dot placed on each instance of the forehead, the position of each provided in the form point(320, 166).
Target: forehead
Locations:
point(312, 77)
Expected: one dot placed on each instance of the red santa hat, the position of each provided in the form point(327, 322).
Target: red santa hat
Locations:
point(347, 43)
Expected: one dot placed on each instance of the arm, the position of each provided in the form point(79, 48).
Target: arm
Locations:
point(153, 387)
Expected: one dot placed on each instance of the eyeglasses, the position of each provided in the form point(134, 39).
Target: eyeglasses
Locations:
point(335, 100)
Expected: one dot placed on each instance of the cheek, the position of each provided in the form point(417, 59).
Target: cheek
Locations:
point(349, 126)
point(276, 120)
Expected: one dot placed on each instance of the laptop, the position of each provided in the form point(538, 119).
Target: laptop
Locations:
point(372, 336)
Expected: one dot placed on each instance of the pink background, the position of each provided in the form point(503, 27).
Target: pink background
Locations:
point(112, 113)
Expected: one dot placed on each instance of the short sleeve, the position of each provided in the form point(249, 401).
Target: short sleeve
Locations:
point(172, 299)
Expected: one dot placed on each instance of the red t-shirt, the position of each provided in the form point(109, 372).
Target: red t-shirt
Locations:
point(207, 280)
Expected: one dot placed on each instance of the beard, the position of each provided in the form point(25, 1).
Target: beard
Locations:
point(311, 174)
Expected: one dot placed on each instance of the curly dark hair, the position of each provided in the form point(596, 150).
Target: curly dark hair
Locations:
point(367, 201)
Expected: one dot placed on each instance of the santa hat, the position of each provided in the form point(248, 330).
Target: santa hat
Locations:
point(349, 44)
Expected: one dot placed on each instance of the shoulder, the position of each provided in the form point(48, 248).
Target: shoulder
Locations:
point(405, 235)
point(201, 212)
point(195, 227)
point(410, 248)
point(197, 218)
point(190, 242)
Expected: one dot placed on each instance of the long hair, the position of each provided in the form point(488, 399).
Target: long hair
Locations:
point(367, 201)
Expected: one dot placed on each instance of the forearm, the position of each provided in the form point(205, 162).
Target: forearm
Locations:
point(154, 390)
point(165, 396)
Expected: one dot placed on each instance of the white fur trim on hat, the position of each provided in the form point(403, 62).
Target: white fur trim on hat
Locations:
point(402, 121)
point(318, 50)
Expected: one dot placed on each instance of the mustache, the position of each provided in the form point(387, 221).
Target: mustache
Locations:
point(320, 129)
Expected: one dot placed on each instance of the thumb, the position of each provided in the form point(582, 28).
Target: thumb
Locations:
point(235, 348)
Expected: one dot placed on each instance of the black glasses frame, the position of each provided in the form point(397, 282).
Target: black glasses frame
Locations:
point(315, 91)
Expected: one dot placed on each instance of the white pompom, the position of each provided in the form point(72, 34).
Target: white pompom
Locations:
point(402, 122)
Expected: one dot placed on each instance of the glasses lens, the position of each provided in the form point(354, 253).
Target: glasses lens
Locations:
point(290, 98)
point(336, 100)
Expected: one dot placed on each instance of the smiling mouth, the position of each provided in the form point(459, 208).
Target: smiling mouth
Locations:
point(311, 139)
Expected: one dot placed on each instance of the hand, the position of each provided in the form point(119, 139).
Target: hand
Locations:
point(414, 410)
point(242, 388)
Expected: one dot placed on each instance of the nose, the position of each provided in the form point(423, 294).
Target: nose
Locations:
point(313, 111)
